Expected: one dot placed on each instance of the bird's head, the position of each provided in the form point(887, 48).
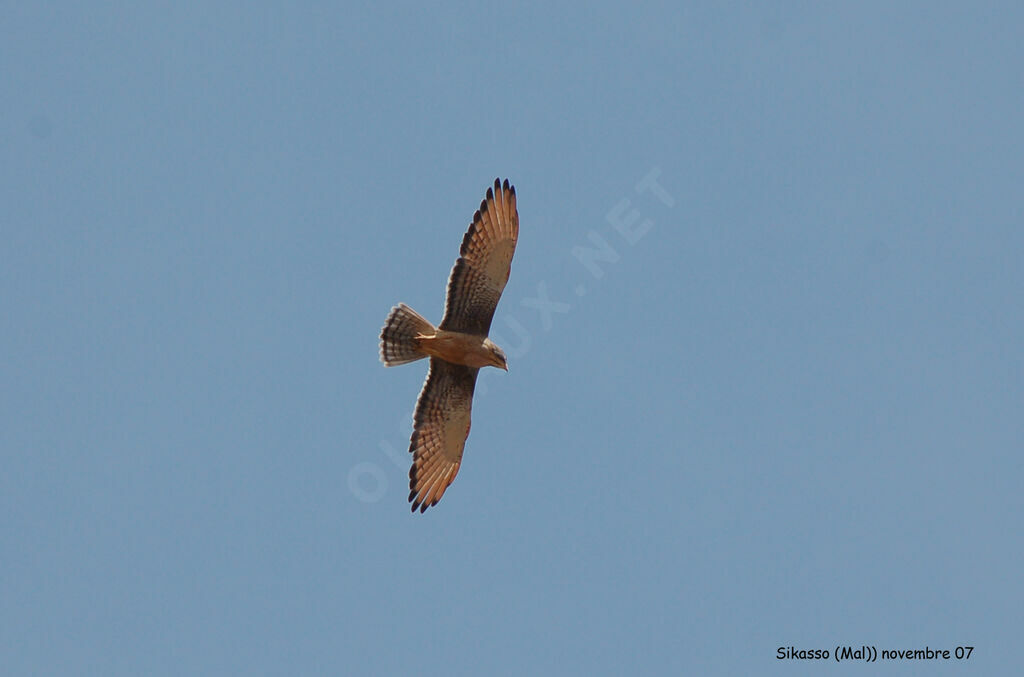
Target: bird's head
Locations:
point(497, 355)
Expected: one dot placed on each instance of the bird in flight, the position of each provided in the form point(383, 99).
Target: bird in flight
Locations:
point(457, 348)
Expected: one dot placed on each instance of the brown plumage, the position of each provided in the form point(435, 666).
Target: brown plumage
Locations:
point(457, 348)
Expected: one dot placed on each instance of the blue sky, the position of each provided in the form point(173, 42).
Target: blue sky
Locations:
point(784, 409)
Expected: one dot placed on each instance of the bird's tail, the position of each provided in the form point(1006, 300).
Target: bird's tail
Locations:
point(398, 344)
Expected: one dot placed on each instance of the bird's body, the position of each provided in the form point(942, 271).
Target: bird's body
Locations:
point(458, 348)
point(465, 349)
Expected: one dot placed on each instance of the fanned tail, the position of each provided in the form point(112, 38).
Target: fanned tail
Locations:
point(398, 344)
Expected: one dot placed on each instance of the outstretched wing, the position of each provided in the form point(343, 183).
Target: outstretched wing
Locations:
point(484, 262)
point(440, 427)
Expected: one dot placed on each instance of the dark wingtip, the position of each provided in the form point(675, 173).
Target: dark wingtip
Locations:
point(505, 185)
point(490, 194)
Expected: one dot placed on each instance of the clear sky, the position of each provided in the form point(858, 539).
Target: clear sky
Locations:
point(764, 328)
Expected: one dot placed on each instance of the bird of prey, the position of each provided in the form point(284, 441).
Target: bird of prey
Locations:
point(457, 348)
